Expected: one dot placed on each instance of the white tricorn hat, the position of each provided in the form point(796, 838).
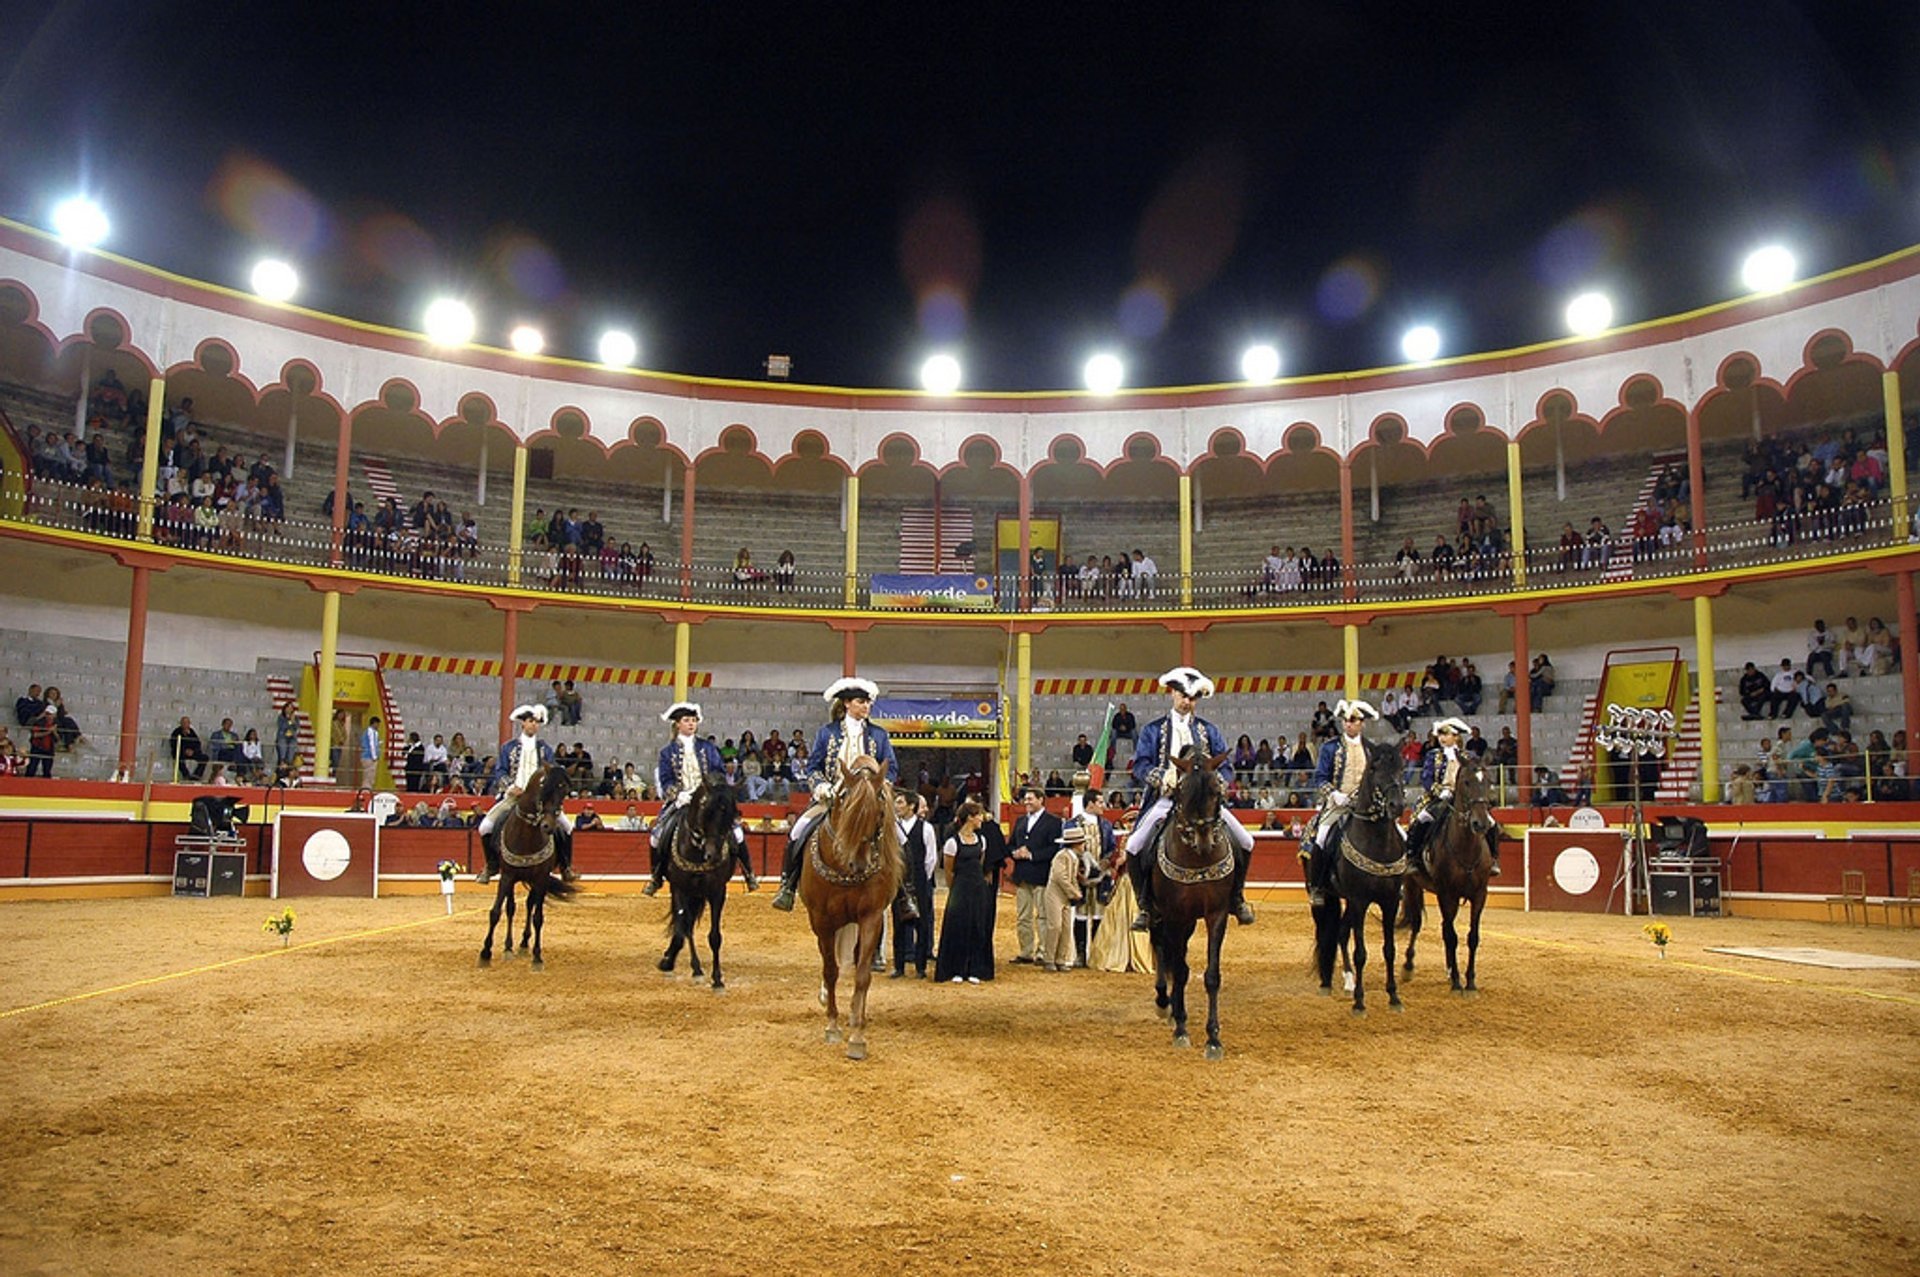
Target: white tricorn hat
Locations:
point(680, 709)
point(1453, 725)
point(1355, 708)
point(1188, 681)
point(847, 689)
point(538, 713)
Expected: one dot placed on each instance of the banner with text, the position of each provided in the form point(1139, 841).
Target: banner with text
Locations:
point(942, 716)
point(944, 591)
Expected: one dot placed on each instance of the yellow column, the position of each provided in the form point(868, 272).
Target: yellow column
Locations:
point(682, 651)
point(1703, 688)
point(515, 532)
point(323, 698)
point(1023, 697)
point(1350, 640)
point(150, 455)
point(1517, 542)
point(1186, 540)
point(853, 536)
point(1896, 455)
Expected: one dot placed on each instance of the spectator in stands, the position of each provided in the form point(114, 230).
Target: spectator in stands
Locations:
point(785, 569)
point(1837, 712)
point(552, 702)
point(1321, 726)
point(1547, 791)
point(1784, 692)
point(438, 761)
point(588, 819)
point(1407, 561)
point(224, 745)
point(1820, 649)
point(414, 769)
point(1803, 766)
point(593, 535)
point(1145, 574)
point(744, 572)
point(286, 735)
point(370, 748)
point(251, 764)
point(1881, 653)
point(1813, 697)
point(1397, 707)
point(1540, 680)
point(27, 708)
point(1599, 545)
point(632, 821)
point(571, 705)
point(1468, 690)
point(43, 738)
point(1125, 730)
point(1754, 691)
point(1082, 753)
point(1741, 788)
point(183, 747)
point(1476, 744)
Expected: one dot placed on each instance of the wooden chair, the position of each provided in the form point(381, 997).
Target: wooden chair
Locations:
point(1853, 895)
point(1909, 904)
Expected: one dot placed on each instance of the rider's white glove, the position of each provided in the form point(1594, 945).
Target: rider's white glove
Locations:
point(684, 797)
point(1445, 795)
point(1338, 799)
point(822, 792)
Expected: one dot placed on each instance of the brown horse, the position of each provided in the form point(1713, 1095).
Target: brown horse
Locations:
point(1192, 882)
point(1462, 864)
point(850, 877)
point(527, 856)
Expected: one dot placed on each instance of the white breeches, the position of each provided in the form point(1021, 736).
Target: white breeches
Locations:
point(1150, 819)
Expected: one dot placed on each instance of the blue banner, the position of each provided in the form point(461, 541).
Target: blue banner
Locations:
point(942, 716)
point(945, 591)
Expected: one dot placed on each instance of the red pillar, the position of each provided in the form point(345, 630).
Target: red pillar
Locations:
point(509, 672)
point(1349, 581)
point(1697, 489)
point(847, 653)
point(1026, 543)
point(1909, 668)
point(1522, 709)
point(136, 667)
point(340, 510)
point(939, 560)
point(686, 534)
point(1186, 648)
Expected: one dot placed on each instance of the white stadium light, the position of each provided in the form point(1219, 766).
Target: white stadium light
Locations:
point(618, 349)
point(1260, 363)
point(1589, 313)
point(449, 322)
point(1421, 343)
point(79, 221)
point(1104, 373)
point(275, 280)
point(1769, 269)
point(940, 374)
point(527, 340)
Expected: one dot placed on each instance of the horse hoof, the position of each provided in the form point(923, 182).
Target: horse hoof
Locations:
point(1470, 993)
point(833, 1037)
point(1397, 1008)
point(1215, 1051)
point(538, 965)
point(1359, 1013)
point(856, 1050)
point(1326, 990)
point(486, 960)
point(665, 964)
point(1182, 1041)
point(1163, 1013)
point(719, 986)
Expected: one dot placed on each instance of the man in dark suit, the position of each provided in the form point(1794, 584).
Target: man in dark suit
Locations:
point(1033, 843)
point(913, 937)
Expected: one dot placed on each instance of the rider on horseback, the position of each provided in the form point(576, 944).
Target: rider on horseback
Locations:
point(846, 736)
point(1341, 768)
point(513, 768)
point(1161, 741)
point(685, 763)
point(1440, 772)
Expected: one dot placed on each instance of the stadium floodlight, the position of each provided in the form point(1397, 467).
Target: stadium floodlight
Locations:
point(1104, 373)
point(940, 374)
point(1260, 363)
point(1589, 313)
point(527, 340)
point(275, 280)
point(1421, 343)
point(80, 222)
point(449, 322)
point(618, 349)
point(1769, 269)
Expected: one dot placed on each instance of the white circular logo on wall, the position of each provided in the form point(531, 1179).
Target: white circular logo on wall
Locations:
point(1586, 818)
point(383, 805)
point(326, 855)
point(1575, 871)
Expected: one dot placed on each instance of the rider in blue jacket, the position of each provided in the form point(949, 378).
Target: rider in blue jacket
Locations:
point(685, 763)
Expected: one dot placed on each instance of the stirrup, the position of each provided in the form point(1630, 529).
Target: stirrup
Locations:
point(1243, 914)
point(753, 883)
point(484, 876)
point(651, 889)
point(567, 874)
point(1496, 868)
point(1141, 922)
point(784, 900)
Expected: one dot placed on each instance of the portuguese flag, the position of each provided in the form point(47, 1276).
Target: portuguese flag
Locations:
point(1097, 771)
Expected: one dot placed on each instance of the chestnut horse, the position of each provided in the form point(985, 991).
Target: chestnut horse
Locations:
point(699, 865)
point(1369, 861)
point(850, 877)
point(1462, 864)
point(527, 856)
point(1192, 882)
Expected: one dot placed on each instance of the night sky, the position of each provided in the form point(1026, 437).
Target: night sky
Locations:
point(858, 185)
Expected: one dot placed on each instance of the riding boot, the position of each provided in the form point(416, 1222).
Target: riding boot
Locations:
point(789, 878)
point(746, 866)
point(1242, 911)
point(1493, 845)
point(1140, 872)
point(490, 848)
point(563, 854)
point(1418, 834)
point(1319, 862)
point(657, 859)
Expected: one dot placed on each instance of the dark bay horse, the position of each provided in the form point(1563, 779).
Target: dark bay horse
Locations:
point(527, 856)
point(1369, 861)
point(851, 874)
point(1462, 864)
point(699, 866)
point(1192, 882)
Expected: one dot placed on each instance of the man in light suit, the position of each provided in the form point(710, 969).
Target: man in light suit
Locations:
point(1034, 843)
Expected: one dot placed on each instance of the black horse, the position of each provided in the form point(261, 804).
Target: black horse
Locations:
point(1459, 865)
point(1192, 881)
point(699, 865)
point(1369, 861)
point(527, 856)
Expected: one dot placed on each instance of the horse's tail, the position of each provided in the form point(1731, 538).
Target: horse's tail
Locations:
point(559, 888)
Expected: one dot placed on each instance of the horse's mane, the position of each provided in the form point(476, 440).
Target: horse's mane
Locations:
point(549, 789)
point(860, 806)
point(719, 810)
point(1199, 789)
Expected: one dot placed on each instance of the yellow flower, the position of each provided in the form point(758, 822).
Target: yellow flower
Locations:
point(1658, 932)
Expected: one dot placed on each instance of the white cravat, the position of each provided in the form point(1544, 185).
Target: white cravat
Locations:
point(853, 741)
point(1181, 736)
point(690, 772)
point(529, 761)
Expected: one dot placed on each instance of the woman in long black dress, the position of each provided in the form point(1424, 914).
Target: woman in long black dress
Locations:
point(966, 935)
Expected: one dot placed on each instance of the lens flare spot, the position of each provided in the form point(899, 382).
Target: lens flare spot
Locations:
point(1348, 289)
point(1145, 309)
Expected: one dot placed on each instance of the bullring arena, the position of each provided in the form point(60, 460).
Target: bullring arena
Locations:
point(190, 1091)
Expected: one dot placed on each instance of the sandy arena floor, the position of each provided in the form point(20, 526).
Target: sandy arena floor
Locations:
point(369, 1100)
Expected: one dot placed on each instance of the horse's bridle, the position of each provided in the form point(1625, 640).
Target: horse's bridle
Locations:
point(869, 850)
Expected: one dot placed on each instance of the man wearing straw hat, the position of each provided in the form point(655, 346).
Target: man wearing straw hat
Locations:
point(1341, 768)
point(1161, 741)
point(685, 763)
point(513, 768)
point(846, 736)
point(1439, 772)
